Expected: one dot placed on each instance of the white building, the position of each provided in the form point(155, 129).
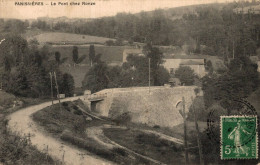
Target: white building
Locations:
point(197, 63)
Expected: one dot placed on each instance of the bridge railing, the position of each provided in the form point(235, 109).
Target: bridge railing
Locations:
point(97, 96)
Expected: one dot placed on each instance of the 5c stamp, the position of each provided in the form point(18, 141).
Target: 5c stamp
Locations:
point(238, 137)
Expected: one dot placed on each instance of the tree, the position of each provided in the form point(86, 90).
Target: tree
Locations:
point(75, 54)
point(239, 81)
point(91, 54)
point(96, 79)
point(156, 59)
point(57, 57)
point(186, 75)
point(163, 76)
point(15, 48)
point(67, 86)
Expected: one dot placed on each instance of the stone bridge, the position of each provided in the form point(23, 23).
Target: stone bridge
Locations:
point(155, 106)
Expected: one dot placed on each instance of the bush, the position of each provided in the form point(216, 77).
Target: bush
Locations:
point(18, 150)
point(186, 75)
point(110, 43)
point(78, 112)
point(123, 118)
point(65, 104)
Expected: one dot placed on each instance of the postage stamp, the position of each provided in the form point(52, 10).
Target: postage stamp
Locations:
point(238, 137)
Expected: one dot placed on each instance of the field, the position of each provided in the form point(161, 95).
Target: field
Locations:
point(66, 38)
point(110, 54)
point(64, 42)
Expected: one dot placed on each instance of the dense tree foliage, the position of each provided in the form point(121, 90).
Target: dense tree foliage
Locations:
point(217, 28)
point(96, 79)
point(186, 75)
point(75, 54)
point(27, 69)
point(156, 58)
point(57, 57)
point(13, 25)
point(91, 54)
point(134, 72)
point(239, 81)
point(220, 94)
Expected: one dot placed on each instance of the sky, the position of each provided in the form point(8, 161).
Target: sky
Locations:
point(102, 8)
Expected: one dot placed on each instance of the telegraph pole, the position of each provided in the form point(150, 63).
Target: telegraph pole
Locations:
point(185, 132)
point(149, 74)
point(51, 88)
point(198, 132)
point(57, 87)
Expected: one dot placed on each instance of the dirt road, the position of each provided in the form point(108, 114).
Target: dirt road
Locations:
point(22, 123)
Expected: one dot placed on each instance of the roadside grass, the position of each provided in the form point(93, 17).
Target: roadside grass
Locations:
point(176, 131)
point(16, 148)
point(147, 144)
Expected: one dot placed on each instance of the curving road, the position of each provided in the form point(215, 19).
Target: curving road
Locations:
point(22, 123)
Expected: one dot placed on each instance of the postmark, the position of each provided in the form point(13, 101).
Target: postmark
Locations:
point(238, 137)
point(242, 109)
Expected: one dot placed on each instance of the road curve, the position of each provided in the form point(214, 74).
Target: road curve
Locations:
point(22, 123)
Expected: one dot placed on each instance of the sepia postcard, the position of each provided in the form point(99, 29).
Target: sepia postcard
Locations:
point(129, 82)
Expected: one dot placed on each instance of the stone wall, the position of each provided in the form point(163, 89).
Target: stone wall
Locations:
point(157, 107)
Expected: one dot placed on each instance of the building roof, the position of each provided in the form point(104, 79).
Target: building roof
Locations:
point(188, 57)
point(192, 62)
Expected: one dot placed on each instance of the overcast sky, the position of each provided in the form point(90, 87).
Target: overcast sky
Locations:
point(102, 8)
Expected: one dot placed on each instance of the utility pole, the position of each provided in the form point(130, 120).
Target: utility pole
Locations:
point(198, 132)
point(57, 87)
point(51, 88)
point(149, 74)
point(185, 132)
point(233, 49)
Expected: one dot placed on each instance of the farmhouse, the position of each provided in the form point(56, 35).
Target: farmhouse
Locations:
point(197, 63)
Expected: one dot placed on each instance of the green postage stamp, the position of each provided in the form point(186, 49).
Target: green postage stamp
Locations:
point(239, 137)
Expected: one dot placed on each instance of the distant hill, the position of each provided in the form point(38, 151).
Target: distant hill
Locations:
point(255, 9)
point(67, 38)
point(178, 12)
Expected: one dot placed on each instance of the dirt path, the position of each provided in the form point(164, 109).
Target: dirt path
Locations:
point(22, 123)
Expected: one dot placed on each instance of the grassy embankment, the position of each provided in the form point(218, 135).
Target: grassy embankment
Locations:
point(17, 149)
point(70, 125)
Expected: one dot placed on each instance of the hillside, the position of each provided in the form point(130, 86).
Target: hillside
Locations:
point(252, 8)
point(67, 38)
